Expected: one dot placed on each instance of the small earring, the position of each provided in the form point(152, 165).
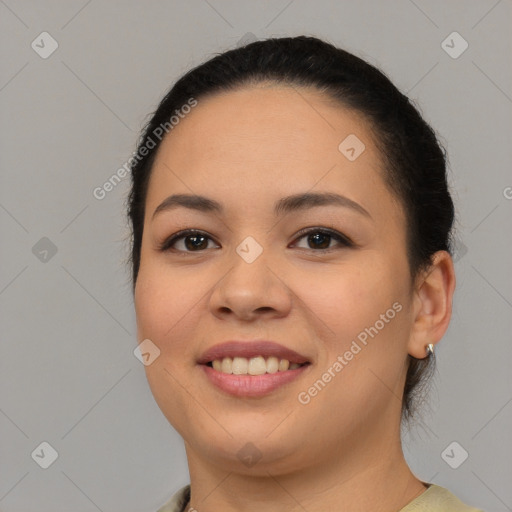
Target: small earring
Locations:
point(430, 349)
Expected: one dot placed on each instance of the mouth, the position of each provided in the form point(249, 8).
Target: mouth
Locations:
point(258, 365)
point(251, 369)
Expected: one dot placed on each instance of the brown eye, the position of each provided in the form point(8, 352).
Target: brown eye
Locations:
point(193, 242)
point(321, 239)
point(186, 241)
point(317, 239)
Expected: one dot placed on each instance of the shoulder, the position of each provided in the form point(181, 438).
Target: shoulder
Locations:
point(178, 501)
point(438, 499)
point(434, 499)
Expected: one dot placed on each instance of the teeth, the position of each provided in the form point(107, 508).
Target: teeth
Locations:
point(272, 365)
point(240, 365)
point(257, 366)
point(226, 366)
point(253, 366)
point(283, 365)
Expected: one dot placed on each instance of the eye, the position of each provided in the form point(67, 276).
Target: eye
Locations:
point(321, 238)
point(191, 240)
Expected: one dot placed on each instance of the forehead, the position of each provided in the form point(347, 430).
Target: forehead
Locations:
point(268, 141)
point(265, 123)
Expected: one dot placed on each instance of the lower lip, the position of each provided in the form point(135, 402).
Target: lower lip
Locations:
point(252, 385)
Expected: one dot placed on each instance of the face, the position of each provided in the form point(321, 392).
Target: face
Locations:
point(305, 248)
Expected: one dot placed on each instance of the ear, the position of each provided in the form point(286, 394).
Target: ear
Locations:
point(432, 304)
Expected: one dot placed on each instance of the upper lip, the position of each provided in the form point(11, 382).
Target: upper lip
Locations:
point(250, 349)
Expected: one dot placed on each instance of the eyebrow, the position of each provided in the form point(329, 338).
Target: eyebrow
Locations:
point(283, 206)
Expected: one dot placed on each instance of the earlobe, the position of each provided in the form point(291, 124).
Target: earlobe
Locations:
point(432, 304)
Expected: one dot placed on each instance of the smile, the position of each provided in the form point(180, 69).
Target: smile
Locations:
point(252, 366)
point(252, 386)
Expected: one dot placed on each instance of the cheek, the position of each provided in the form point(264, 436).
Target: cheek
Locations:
point(352, 297)
point(164, 310)
point(361, 358)
point(164, 314)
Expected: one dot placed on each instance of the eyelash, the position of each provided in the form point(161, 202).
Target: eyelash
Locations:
point(343, 240)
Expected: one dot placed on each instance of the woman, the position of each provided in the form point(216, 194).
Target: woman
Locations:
point(292, 274)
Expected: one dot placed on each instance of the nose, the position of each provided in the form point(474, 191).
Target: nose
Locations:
point(249, 291)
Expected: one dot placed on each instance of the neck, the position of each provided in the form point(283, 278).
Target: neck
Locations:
point(367, 477)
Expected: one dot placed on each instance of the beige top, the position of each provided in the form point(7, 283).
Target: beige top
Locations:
point(434, 499)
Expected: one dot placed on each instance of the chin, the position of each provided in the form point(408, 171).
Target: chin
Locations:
point(256, 457)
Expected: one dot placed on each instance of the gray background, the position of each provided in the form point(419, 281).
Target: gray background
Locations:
point(68, 374)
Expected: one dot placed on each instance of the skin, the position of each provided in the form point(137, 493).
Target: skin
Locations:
point(247, 149)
